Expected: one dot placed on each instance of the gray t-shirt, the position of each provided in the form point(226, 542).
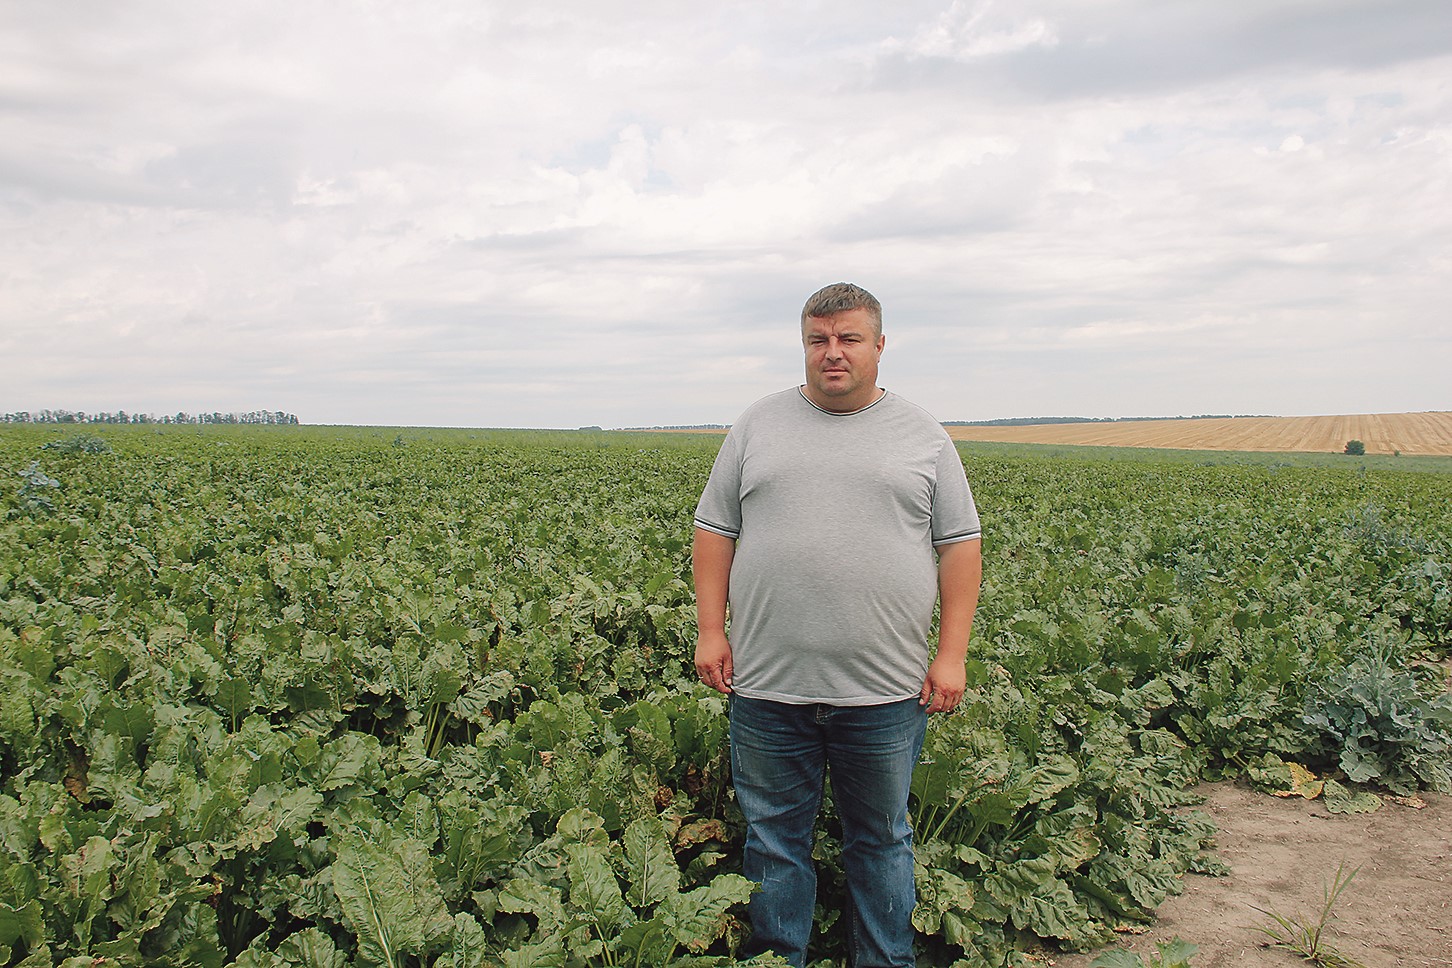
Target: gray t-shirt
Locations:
point(835, 518)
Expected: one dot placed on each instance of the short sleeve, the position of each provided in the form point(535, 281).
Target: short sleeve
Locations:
point(719, 509)
point(955, 516)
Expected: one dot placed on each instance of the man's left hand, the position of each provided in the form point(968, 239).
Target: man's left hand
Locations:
point(943, 688)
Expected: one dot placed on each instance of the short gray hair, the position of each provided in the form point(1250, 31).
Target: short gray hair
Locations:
point(842, 297)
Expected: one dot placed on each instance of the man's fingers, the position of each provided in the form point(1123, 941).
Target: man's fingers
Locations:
point(717, 677)
point(942, 702)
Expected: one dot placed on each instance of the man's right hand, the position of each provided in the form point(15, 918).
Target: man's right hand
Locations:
point(713, 661)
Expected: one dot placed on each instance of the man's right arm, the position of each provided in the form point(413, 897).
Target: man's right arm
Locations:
point(711, 556)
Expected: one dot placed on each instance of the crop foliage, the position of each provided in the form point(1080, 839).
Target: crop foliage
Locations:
point(293, 696)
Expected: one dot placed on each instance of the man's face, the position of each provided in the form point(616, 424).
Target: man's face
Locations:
point(842, 353)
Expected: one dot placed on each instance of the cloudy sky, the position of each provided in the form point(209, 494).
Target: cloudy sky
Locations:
point(482, 213)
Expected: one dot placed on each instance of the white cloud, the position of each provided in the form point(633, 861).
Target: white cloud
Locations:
point(610, 213)
point(967, 31)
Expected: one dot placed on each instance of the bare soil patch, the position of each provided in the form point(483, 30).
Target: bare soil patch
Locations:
point(1396, 913)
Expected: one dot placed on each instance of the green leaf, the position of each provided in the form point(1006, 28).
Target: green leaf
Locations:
point(1342, 799)
point(1055, 913)
point(473, 704)
point(1067, 835)
point(418, 819)
point(234, 697)
point(698, 917)
point(648, 730)
point(311, 948)
point(353, 759)
point(389, 898)
point(650, 866)
point(477, 837)
point(88, 873)
point(593, 887)
point(1155, 694)
point(468, 945)
point(134, 721)
point(583, 826)
point(1051, 775)
point(1177, 951)
point(25, 923)
point(443, 672)
point(548, 953)
point(644, 942)
point(523, 895)
point(280, 810)
point(1038, 901)
point(940, 892)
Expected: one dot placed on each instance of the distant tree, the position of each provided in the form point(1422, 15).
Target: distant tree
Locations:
point(1355, 448)
point(122, 417)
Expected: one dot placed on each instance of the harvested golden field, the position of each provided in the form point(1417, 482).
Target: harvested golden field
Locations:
point(1426, 434)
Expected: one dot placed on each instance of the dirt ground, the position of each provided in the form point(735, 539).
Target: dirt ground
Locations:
point(1396, 913)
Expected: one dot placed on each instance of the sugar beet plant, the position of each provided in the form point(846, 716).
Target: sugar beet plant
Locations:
point(1379, 723)
point(325, 697)
point(34, 494)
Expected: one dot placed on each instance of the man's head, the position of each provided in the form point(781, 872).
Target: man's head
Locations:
point(842, 341)
point(840, 297)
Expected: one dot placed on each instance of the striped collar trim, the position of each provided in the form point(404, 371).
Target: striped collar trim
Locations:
point(802, 390)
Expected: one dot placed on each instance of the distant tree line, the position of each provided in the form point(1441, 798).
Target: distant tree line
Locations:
point(122, 417)
point(715, 426)
point(1034, 421)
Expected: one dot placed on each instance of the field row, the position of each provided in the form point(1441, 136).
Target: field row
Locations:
point(1425, 434)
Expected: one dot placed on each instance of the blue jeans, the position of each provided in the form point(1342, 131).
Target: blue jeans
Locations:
point(780, 753)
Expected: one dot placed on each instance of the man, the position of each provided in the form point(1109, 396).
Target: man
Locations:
point(836, 515)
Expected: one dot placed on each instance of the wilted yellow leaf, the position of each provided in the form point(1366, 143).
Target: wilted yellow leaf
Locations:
point(1304, 783)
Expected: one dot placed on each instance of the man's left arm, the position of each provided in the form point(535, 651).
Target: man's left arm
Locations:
point(960, 571)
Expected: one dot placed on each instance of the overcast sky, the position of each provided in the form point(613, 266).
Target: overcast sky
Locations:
point(610, 212)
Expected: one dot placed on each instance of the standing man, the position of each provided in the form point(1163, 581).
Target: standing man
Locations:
point(836, 515)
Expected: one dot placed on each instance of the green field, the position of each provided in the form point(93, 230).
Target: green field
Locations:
point(333, 696)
